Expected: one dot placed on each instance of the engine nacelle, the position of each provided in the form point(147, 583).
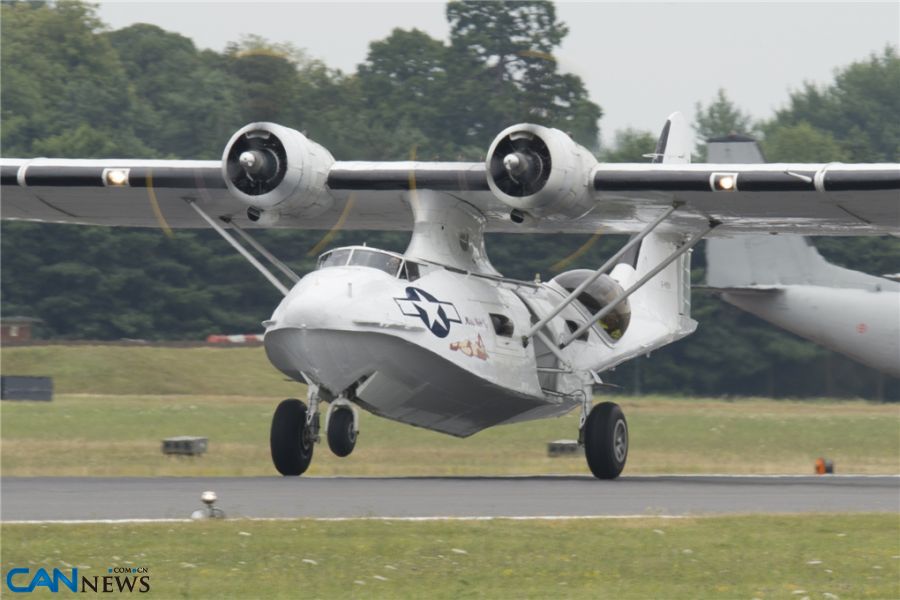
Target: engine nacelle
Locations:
point(277, 170)
point(597, 295)
point(541, 172)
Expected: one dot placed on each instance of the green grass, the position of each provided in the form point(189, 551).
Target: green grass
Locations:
point(120, 435)
point(115, 404)
point(154, 370)
point(810, 556)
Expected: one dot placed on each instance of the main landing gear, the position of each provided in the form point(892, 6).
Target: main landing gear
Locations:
point(291, 439)
point(604, 433)
point(295, 431)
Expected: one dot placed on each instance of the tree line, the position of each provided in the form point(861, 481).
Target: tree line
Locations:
point(71, 87)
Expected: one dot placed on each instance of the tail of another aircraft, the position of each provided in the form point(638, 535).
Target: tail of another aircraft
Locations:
point(768, 261)
point(784, 280)
point(776, 261)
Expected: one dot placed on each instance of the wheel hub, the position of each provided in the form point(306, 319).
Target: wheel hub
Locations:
point(620, 441)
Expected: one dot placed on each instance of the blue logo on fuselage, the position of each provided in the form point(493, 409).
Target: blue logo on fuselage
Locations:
point(436, 314)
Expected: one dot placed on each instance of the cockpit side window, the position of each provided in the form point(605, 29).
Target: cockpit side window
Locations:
point(410, 271)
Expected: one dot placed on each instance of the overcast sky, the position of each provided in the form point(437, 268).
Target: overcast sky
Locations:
point(640, 61)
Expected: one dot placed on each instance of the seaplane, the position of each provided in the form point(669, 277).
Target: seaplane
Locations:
point(436, 337)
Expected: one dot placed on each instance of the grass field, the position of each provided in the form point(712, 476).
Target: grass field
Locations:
point(115, 404)
point(813, 556)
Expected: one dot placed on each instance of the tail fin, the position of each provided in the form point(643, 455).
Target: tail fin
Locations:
point(675, 141)
point(668, 295)
point(660, 309)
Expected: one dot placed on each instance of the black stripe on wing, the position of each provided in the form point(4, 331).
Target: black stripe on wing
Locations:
point(835, 179)
point(469, 177)
point(38, 175)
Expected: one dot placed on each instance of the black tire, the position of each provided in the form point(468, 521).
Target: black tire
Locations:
point(291, 444)
point(606, 440)
point(341, 433)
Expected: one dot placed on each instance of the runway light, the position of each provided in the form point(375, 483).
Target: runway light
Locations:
point(115, 177)
point(210, 512)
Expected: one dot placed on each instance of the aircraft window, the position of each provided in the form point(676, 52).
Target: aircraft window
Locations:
point(375, 259)
point(502, 325)
point(597, 295)
point(410, 271)
point(335, 258)
point(573, 327)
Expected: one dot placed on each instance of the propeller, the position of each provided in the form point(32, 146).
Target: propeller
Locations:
point(520, 164)
point(256, 162)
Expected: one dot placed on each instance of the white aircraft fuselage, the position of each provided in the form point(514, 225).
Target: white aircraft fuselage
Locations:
point(441, 351)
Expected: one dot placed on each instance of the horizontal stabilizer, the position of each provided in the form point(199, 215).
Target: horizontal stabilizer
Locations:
point(754, 261)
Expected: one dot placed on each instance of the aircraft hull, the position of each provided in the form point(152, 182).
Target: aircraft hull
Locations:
point(436, 394)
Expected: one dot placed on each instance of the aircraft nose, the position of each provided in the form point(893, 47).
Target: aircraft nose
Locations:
point(310, 307)
point(333, 299)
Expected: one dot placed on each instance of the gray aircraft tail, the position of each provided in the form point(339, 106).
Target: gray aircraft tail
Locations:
point(775, 261)
point(769, 261)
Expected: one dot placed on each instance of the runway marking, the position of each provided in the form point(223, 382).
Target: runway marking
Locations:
point(341, 519)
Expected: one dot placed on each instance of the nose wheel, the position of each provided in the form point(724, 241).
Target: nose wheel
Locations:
point(291, 439)
point(605, 436)
point(342, 431)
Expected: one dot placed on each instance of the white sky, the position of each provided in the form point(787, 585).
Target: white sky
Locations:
point(640, 61)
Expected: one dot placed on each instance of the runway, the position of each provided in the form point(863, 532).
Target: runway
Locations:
point(86, 498)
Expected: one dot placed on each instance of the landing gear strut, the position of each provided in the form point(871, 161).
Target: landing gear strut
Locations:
point(291, 439)
point(605, 438)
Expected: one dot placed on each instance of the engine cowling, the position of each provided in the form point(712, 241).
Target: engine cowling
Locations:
point(541, 172)
point(276, 170)
point(597, 295)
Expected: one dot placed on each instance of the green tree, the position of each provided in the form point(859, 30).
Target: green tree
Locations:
point(515, 43)
point(70, 82)
point(630, 145)
point(404, 83)
point(801, 143)
point(721, 117)
point(187, 105)
point(859, 109)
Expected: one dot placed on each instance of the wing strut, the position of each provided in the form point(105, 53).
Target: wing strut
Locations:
point(289, 273)
point(613, 260)
point(237, 246)
point(640, 282)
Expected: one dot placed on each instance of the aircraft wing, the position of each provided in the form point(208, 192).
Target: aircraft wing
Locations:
point(569, 192)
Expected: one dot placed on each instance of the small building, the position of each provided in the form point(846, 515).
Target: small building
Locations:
point(16, 329)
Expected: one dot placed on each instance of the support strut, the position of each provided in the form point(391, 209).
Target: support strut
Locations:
point(573, 295)
point(288, 272)
point(639, 283)
point(237, 246)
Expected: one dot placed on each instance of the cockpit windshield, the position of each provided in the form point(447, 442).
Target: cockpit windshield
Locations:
point(376, 259)
point(390, 263)
point(335, 258)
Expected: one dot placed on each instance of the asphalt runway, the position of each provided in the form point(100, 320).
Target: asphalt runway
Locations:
point(86, 498)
